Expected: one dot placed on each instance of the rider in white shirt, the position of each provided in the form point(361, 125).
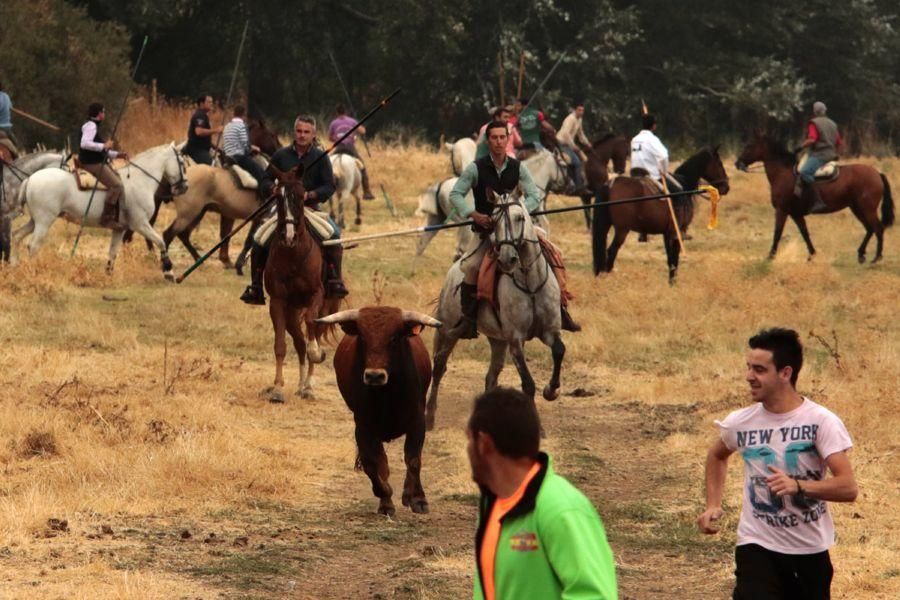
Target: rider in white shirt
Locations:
point(650, 155)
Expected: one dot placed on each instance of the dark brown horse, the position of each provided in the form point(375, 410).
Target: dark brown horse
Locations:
point(859, 187)
point(293, 279)
point(652, 216)
point(262, 137)
point(596, 169)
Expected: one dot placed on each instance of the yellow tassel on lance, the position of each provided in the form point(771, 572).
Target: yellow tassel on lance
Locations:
point(713, 205)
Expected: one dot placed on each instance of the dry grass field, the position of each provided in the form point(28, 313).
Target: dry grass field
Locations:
point(129, 409)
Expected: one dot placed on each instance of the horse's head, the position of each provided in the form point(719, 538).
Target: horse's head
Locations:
point(290, 194)
point(621, 150)
point(175, 172)
point(512, 230)
point(714, 172)
point(262, 137)
point(757, 149)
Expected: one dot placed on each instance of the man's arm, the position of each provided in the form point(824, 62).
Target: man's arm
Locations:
point(325, 180)
point(716, 469)
point(532, 194)
point(467, 180)
point(841, 487)
point(576, 546)
point(812, 136)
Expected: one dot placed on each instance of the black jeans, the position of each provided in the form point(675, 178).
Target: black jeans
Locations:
point(201, 156)
point(251, 166)
point(766, 575)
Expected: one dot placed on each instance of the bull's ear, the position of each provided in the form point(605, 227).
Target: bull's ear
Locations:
point(412, 329)
point(350, 327)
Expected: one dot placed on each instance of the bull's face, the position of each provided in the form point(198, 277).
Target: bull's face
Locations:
point(380, 328)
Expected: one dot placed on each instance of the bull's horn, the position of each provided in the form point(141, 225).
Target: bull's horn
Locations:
point(411, 316)
point(339, 317)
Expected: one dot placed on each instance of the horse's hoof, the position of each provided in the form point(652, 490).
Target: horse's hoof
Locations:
point(227, 265)
point(876, 259)
point(771, 256)
point(306, 393)
point(387, 510)
point(357, 222)
point(273, 395)
point(551, 393)
point(169, 276)
point(419, 506)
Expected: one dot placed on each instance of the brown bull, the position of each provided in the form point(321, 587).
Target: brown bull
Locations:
point(383, 372)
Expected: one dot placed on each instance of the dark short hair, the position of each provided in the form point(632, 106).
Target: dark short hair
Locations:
point(495, 125)
point(94, 109)
point(340, 109)
point(511, 419)
point(578, 103)
point(201, 99)
point(785, 346)
point(498, 111)
point(239, 110)
point(648, 121)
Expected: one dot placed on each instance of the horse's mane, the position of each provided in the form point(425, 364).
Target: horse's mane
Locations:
point(694, 165)
point(778, 150)
point(603, 139)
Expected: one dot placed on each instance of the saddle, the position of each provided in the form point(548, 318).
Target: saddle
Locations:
point(827, 172)
point(85, 180)
point(488, 274)
point(316, 223)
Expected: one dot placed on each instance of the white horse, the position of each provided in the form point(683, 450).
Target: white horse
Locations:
point(347, 185)
point(53, 193)
point(462, 152)
point(528, 296)
point(13, 176)
point(546, 172)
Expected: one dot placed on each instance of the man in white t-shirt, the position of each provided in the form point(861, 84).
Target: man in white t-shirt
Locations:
point(788, 443)
point(649, 156)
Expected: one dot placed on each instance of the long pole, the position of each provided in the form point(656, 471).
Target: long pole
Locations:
point(521, 74)
point(234, 72)
point(547, 78)
point(665, 186)
point(112, 136)
point(440, 226)
point(337, 70)
point(268, 201)
point(22, 113)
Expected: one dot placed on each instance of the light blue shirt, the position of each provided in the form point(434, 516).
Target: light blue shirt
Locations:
point(5, 107)
point(468, 179)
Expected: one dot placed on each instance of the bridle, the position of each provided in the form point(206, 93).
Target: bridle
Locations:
point(182, 170)
point(501, 214)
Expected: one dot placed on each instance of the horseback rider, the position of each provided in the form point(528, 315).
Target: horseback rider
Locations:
point(649, 157)
point(569, 136)
point(200, 132)
point(336, 130)
point(502, 174)
point(93, 153)
point(823, 139)
point(6, 135)
point(530, 121)
point(236, 144)
point(318, 181)
point(502, 114)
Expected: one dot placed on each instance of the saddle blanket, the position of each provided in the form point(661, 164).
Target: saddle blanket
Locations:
point(242, 179)
point(317, 222)
point(488, 274)
point(827, 172)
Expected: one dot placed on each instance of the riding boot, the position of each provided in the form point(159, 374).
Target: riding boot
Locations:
point(568, 323)
point(816, 204)
point(468, 299)
point(254, 292)
point(110, 216)
point(367, 191)
point(334, 257)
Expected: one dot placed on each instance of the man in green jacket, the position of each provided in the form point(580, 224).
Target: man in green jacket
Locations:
point(538, 536)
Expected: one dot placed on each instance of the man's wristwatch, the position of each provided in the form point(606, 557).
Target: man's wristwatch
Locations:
point(799, 493)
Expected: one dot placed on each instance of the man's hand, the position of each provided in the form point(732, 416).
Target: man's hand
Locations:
point(482, 220)
point(108, 144)
point(706, 522)
point(254, 149)
point(781, 483)
point(123, 155)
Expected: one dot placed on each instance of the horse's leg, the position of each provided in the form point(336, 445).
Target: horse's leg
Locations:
point(226, 224)
point(358, 220)
point(413, 494)
point(182, 228)
point(443, 347)
point(248, 243)
point(670, 241)
point(375, 465)
point(618, 239)
point(780, 219)
point(314, 352)
point(585, 200)
point(296, 332)
point(5, 233)
point(800, 221)
point(39, 230)
point(517, 350)
point(870, 221)
point(331, 208)
point(498, 359)
point(279, 324)
point(558, 351)
point(115, 242)
point(146, 230)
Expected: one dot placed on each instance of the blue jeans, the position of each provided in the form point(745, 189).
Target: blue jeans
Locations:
point(808, 171)
point(337, 230)
point(576, 164)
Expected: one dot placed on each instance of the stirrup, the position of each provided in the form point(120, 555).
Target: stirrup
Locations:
point(254, 295)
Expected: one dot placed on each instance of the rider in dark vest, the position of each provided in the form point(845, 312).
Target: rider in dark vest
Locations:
point(200, 132)
point(93, 152)
point(823, 139)
point(502, 175)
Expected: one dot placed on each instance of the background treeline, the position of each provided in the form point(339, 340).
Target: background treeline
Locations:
point(711, 69)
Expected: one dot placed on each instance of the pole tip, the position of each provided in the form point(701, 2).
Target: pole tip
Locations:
point(179, 279)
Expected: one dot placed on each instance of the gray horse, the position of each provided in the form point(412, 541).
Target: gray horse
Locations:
point(13, 176)
point(528, 305)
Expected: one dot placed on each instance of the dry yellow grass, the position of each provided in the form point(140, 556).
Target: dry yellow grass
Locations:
point(132, 403)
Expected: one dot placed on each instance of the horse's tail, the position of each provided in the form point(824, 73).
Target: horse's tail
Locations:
point(600, 224)
point(887, 203)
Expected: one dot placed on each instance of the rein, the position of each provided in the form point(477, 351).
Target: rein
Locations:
point(181, 172)
point(518, 243)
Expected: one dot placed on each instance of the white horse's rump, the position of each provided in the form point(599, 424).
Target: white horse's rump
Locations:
point(53, 193)
point(13, 177)
point(347, 184)
point(462, 152)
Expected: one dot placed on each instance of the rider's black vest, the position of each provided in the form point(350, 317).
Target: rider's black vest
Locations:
point(488, 178)
point(92, 157)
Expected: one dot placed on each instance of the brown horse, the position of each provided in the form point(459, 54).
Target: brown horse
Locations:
point(262, 137)
point(596, 169)
point(293, 279)
point(858, 186)
point(652, 216)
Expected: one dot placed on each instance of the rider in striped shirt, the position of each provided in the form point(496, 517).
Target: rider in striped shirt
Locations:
point(236, 144)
